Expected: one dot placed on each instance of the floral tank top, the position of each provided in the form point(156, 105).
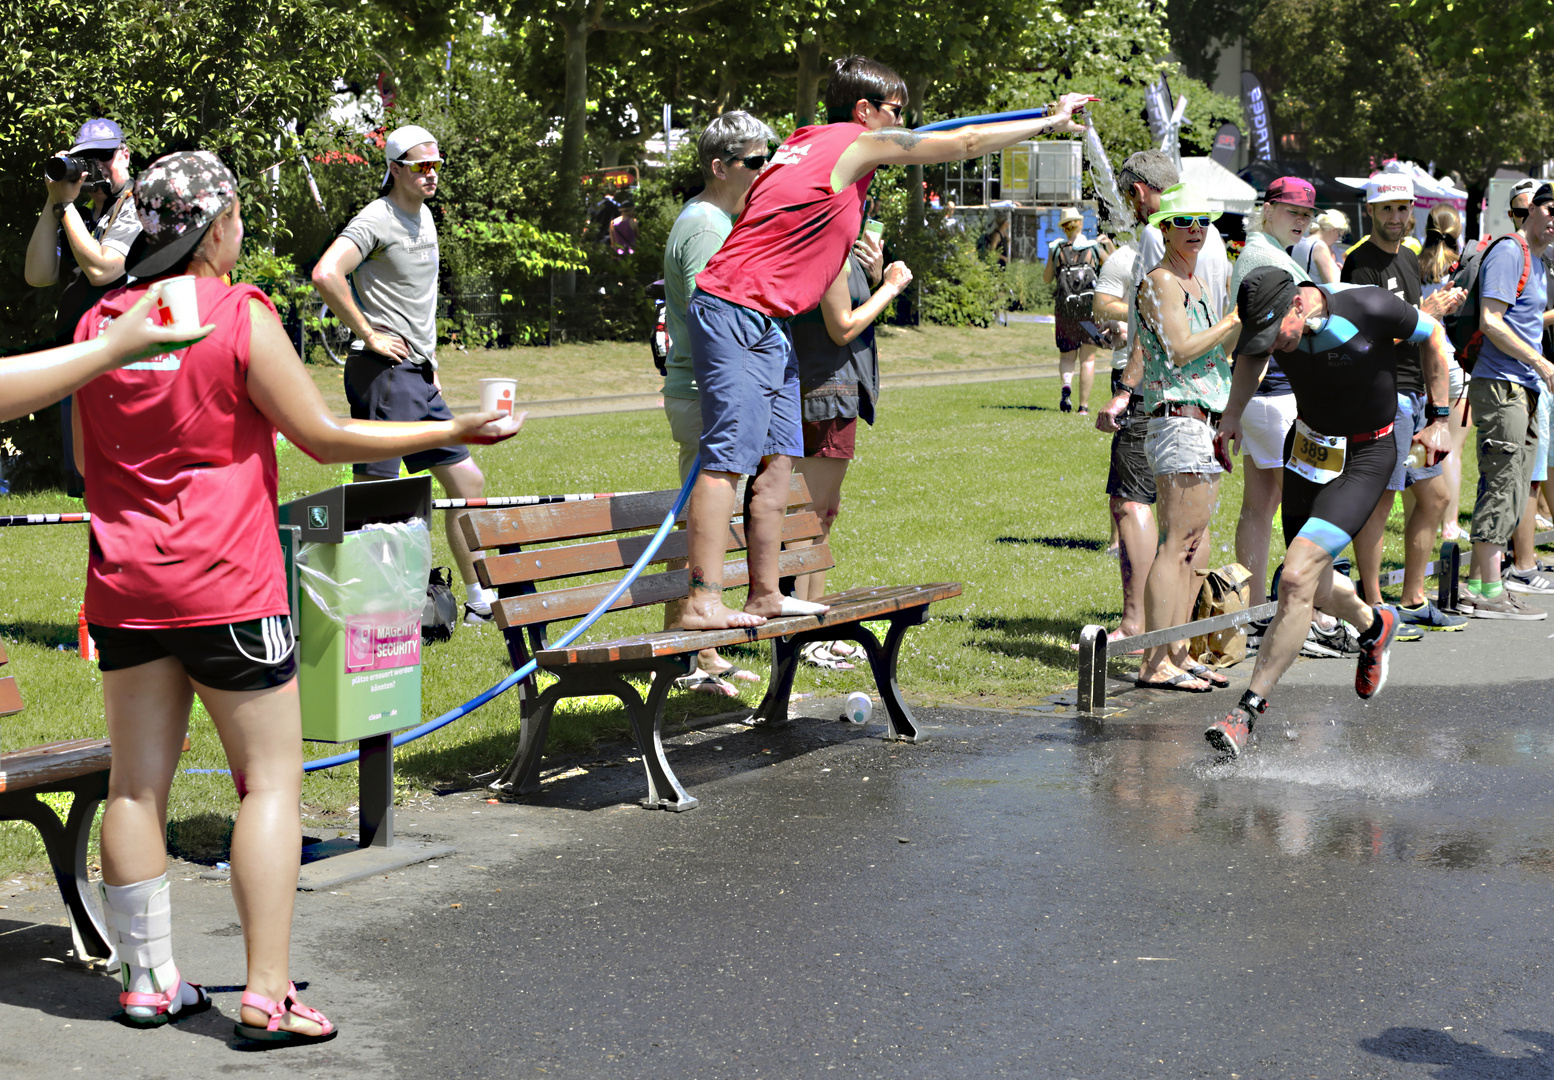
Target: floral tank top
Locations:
point(1204, 381)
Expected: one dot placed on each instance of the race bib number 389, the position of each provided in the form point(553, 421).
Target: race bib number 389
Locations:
point(1318, 458)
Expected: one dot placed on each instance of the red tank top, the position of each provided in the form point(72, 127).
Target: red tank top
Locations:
point(789, 244)
point(180, 476)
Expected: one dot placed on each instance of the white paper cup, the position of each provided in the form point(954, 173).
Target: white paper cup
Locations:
point(498, 395)
point(179, 306)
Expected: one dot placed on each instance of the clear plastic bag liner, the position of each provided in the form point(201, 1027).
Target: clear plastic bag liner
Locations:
point(377, 570)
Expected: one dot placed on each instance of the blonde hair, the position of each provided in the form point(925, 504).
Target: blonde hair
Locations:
point(1331, 219)
point(1440, 256)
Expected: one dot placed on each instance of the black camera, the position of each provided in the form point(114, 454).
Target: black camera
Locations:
point(68, 168)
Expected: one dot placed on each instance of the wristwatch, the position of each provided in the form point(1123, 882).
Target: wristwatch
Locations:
point(1437, 412)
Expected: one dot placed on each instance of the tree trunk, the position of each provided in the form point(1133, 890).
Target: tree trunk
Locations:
point(812, 68)
point(566, 207)
point(728, 89)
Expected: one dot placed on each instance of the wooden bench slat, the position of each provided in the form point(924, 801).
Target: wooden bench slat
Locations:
point(485, 529)
point(53, 761)
point(854, 605)
point(548, 564)
point(647, 589)
point(10, 697)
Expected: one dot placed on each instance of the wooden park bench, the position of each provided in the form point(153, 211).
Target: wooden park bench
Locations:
point(80, 767)
point(540, 544)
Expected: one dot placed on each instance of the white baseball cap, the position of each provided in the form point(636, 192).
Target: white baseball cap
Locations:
point(1389, 187)
point(401, 141)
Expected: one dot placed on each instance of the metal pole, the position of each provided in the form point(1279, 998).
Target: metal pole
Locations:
point(1446, 576)
point(376, 791)
point(1092, 669)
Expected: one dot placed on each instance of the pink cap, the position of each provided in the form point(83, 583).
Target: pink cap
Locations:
point(1292, 190)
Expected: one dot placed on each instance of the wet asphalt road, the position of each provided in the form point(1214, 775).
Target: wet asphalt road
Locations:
point(1026, 894)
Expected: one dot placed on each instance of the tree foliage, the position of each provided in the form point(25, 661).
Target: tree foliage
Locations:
point(1361, 81)
point(217, 74)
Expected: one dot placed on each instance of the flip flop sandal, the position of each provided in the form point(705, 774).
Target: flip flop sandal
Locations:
point(845, 649)
point(273, 1033)
point(818, 655)
point(160, 1003)
point(704, 682)
point(1208, 675)
point(737, 674)
point(1175, 682)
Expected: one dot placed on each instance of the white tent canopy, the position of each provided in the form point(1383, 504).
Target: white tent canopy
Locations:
point(1226, 191)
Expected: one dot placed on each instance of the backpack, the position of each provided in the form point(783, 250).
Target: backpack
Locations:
point(1075, 284)
point(441, 613)
point(1223, 591)
point(1462, 326)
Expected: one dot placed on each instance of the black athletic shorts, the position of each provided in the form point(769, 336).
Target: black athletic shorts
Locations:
point(1131, 478)
point(252, 655)
point(379, 390)
point(1330, 515)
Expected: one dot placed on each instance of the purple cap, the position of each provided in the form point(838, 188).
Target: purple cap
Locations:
point(99, 134)
point(1292, 190)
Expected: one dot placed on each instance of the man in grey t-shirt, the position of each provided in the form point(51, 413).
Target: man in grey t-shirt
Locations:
point(389, 253)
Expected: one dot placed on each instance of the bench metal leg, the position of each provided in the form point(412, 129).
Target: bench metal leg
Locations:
point(647, 721)
point(882, 663)
point(66, 845)
point(522, 775)
point(779, 687)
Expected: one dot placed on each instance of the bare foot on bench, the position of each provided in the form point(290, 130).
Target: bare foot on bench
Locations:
point(717, 617)
point(776, 606)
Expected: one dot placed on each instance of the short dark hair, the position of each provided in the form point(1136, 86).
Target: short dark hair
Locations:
point(858, 77)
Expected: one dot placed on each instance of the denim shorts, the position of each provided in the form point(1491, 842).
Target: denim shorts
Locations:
point(1180, 444)
point(748, 375)
point(1409, 421)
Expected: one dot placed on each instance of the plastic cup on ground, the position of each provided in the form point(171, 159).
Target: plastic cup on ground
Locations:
point(498, 395)
point(859, 708)
point(178, 305)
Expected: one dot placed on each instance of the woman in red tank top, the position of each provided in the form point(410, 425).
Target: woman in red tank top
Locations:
point(185, 593)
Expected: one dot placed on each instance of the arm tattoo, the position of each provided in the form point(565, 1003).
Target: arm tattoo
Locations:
point(902, 137)
point(699, 582)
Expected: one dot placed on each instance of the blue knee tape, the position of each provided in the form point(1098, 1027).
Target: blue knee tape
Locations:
point(1325, 535)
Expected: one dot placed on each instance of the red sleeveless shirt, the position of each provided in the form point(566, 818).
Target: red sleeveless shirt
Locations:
point(789, 244)
point(181, 478)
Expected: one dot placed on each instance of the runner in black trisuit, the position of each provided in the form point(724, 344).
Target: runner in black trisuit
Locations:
point(1337, 345)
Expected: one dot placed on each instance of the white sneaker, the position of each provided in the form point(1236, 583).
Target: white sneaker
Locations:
point(476, 615)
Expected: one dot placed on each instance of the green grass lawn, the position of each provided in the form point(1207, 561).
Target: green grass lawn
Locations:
point(984, 484)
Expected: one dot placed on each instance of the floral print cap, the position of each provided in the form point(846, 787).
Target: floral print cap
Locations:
point(176, 199)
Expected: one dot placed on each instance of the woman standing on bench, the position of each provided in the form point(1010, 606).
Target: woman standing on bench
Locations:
point(185, 592)
point(839, 381)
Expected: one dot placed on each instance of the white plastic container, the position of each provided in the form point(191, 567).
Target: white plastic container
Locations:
point(859, 708)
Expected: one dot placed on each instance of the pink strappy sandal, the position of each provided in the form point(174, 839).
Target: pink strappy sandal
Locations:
point(273, 1032)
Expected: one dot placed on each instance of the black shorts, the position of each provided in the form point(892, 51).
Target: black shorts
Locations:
point(1333, 513)
point(252, 655)
point(379, 390)
point(1131, 478)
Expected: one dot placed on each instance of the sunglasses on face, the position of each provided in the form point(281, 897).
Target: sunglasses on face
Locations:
point(892, 107)
point(754, 162)
point(1189, 221)
point(428, 165)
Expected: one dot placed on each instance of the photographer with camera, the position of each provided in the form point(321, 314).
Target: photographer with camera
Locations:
point(97, 166)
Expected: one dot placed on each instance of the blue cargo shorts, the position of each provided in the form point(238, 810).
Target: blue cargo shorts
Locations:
point(748, 375)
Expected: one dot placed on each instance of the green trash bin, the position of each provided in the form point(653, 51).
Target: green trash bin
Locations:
point(358, 559)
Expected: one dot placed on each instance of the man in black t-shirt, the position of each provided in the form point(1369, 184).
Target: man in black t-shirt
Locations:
point(1339, 346)
point(1385, 261)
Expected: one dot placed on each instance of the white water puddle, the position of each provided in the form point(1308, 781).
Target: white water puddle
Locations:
point(1376, 778)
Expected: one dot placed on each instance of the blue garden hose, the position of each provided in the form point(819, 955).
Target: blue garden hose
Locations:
point(528, 669)
point(566, 639)
point(991, 118)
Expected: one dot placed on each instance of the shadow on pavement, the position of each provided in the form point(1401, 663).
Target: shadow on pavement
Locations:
point(1463, 1061)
